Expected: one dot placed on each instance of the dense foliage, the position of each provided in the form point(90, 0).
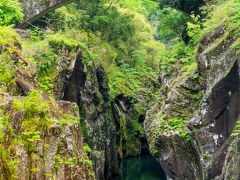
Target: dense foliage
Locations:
point(10, 12)
point(8, 50)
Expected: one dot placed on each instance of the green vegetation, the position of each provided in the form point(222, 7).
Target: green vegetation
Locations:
point(8, 51)
point(37, 117)
point(145, 7)
point(224, 14)
point(132, 40)
point(121, 37)
point(131, 133)
point(10, 12)
point(236, 130)
point(129, 55)
point(175, 126)
point(182, 5)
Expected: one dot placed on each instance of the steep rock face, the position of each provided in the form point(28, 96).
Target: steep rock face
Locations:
point(112, 127)
point(88, 87)
point(231, 164)
point(220, 108)
point(172, 146)
point(206, 155)
point(129, 124)
point(100, 125)
point(58, 153)
point(40, 138)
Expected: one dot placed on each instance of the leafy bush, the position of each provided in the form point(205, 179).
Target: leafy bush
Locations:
point(38, 51)
point(184, 5)
point(86, 148)
point(171, 24)
point(8, 48)
point(34, 106)
point(10, 12)
point(61, 40)
point(146, 7)
point(65, 18)
point(236, 130)
point(227, 14)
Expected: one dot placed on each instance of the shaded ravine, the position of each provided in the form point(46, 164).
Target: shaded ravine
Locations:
point(106, 122)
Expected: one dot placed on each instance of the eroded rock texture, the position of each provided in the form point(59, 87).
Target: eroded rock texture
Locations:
point(220, 108)
point(57, 154)
point(37, 144)
point(105, 121)
point(88, 87)
point(213, 151)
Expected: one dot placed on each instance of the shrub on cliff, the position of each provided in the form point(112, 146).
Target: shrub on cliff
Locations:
point(9, 42)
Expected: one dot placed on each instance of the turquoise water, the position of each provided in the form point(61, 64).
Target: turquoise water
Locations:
point(141, 168)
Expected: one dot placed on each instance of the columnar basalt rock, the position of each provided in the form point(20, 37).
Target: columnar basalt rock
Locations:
point(219, 109)
point(210, 124)
point(104, 120)
point(88, 87)
point(57, 145)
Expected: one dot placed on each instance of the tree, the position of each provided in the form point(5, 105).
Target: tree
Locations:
point(10, 12)
point(185, 5)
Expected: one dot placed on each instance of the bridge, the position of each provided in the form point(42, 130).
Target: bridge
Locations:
point(34, 9)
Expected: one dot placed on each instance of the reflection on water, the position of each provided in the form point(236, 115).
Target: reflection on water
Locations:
point(141, 168)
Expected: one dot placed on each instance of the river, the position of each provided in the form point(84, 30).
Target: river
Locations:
point(141, 168)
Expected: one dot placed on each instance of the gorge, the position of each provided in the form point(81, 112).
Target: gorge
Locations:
point(130, 90)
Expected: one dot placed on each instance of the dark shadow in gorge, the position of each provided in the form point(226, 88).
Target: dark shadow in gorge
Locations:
point(224, 112)
point(77, 80)
point(101, 119)
point(225, 103)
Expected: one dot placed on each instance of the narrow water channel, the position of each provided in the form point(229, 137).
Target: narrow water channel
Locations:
point(141, 168)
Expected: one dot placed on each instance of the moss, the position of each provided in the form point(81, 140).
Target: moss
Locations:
point(86, 148)
point(131, 133)
point(153, 149)
point(37, 118)
point(175, 126)
point(236, 46)
point(47, 69)
point(85, 158)
point(83, 125)
point(34, 106)
point(9, 47)
point(236, 130)
point(132, 81)
point(227, 13)
point(58, 161)
point(61, 40)
point(133, 147)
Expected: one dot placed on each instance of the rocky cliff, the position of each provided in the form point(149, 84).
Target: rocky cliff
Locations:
point(75, 89)
point(195, 136)
point(40, 138)
point(113, 128)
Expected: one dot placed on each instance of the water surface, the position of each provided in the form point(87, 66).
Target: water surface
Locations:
point(141, 168)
